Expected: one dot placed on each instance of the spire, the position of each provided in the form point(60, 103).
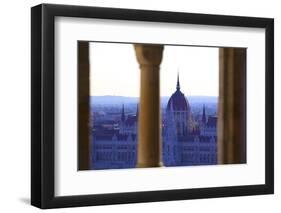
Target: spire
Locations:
point(123, 114)
point(137, 113)
point(204, 115)
point(178, 82)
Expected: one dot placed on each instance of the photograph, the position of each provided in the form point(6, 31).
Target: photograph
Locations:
point(189, 104)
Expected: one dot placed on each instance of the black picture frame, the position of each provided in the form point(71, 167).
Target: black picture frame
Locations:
point(43, 102)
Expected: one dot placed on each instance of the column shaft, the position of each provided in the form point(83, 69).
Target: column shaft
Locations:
point(149, 150)
point(232, 106)
point(83, 106)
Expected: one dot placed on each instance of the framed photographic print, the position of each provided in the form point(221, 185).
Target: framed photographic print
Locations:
point(139, 106)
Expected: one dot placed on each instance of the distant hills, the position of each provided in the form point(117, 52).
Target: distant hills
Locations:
point(118, 100)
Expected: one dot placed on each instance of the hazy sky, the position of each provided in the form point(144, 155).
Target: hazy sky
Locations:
point(115, 71)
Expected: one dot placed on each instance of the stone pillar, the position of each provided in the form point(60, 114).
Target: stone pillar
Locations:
point(149, 149)
point(83, 106)
point(232, 106)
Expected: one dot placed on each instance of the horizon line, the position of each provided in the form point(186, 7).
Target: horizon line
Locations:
point(160, 96)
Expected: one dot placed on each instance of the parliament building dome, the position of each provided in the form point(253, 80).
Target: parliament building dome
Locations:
point(177, 101)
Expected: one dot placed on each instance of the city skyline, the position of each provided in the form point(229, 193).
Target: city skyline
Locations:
point(188, 138)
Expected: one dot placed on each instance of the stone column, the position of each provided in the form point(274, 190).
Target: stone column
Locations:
point(83, 106)
point(232, 106)
point(149, 149)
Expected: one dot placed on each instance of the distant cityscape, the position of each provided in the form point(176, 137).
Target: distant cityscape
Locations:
point(189, 130)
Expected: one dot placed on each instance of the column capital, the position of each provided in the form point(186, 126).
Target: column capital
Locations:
point(149, 54)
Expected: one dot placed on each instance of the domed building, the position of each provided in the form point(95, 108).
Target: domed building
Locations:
point(178, 109)
point(185, 141)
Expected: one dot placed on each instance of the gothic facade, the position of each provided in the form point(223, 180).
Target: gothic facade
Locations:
point(186, 141)
point(114, 145)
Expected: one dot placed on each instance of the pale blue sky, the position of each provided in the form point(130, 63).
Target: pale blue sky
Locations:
point(115, 71)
